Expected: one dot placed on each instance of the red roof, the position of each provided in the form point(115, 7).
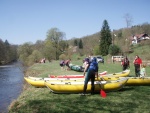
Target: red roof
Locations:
point(138, 36)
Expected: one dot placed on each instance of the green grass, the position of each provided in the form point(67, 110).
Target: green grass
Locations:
point(130, 99)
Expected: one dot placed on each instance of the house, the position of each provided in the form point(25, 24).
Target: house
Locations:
point(137, 38)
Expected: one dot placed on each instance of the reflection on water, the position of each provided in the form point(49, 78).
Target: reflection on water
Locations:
point(11, 82)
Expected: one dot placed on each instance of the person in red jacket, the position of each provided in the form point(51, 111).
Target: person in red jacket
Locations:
point(137, 64)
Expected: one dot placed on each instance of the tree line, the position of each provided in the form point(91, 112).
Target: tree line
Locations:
point(56, 47)
point(51, 48)
point(8, 52)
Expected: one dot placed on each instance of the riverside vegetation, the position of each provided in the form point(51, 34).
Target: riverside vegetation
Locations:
point(133, 99)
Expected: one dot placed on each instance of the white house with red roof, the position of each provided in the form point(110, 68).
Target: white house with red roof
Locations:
point(137, 38)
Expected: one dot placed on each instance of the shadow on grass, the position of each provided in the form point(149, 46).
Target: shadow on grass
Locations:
point(126, 89)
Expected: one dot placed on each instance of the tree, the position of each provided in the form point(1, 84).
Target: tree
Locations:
point(8, 52)
point(2, 51)
point(49, 50)
point(105, 39)
point(80, 44)
point(55, 36)
point(75, 42)
point(128, 20)
point(96, 50)
point(39, 45)
point(25, 51)
point(114, 50)
point(34, 57)
point(63, 45)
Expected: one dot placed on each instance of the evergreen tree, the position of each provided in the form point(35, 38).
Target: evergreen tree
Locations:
point(105, 39)
point(7, 43)
point(75, 42)
point(2, 51)
point(80, 44)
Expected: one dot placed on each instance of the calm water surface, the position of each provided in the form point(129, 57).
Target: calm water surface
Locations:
point(11, 83)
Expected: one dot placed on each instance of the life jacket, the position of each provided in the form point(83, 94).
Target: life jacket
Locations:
point(125, 62)
point(94, 65)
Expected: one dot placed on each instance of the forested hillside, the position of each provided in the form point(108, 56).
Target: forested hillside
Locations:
point(55, 47)
point(120, 37)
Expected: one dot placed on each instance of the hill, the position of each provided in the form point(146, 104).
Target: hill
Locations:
point(122, 38)
point(63, 49)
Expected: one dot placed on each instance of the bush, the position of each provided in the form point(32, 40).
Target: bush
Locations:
point(114, 50)
point(62, 57)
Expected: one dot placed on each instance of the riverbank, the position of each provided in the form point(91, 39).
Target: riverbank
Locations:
point(37, 100)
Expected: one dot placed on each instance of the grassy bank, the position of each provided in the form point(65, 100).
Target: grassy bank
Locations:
point(133, 99)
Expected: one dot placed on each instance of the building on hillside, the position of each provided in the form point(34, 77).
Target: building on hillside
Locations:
point(137, 38)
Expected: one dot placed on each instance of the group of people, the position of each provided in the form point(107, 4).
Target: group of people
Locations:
point(90, 66)
point(139, 67)
point(64, 63)
point(91, 69)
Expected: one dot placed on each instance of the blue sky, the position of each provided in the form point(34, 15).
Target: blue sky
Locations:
point(29, 20)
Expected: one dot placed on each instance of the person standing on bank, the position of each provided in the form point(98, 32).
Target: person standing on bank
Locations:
point(91, 72)
point(143, 71)
point(125, 63)
point(137, 64)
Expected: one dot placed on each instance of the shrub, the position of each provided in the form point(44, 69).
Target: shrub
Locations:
point(62, 57)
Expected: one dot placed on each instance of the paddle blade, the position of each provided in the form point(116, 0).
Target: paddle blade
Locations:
point(103, 93)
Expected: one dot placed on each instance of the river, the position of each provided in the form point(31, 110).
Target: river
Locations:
point(11, 84)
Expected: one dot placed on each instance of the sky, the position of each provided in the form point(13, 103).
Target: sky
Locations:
point(24, 21)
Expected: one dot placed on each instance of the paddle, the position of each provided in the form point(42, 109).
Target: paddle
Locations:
point(102, 92)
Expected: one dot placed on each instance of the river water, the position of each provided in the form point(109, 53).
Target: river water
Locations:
point(11, 83)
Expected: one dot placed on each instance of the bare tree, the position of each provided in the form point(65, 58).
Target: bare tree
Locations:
point(128, 19)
